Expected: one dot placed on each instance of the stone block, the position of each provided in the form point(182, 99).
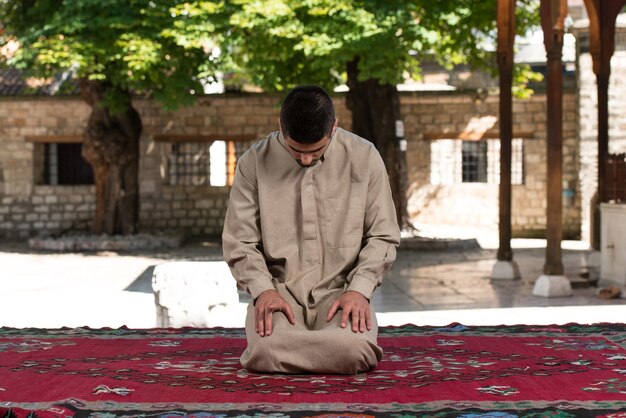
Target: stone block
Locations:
point(194, 121)
point(613, 244)
point(505, 270)
point(75, 198)
point(31, 217)
point(204, 203)
point(148, 186)
point(551, 286)
point(193, 293)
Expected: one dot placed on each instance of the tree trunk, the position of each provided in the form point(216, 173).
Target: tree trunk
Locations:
point(111, 146)
point(375, 109)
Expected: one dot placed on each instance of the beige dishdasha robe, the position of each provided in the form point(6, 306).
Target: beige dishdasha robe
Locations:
point(311, 233)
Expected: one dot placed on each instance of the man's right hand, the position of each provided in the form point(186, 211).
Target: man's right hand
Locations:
point(266, 304)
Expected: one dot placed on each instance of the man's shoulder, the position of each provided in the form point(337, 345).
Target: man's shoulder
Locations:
point(355, 146)
point(353, 140)
point(258, 148)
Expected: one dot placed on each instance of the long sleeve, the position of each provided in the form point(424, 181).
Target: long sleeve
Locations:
point(380, 232)
point(242, 240)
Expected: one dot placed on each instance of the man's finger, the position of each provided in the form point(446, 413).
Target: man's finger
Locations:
point(259, 325)
point(332, 311)
point(362, 321)
point(368, 319)
point(289, 313)
point(355, 320)
point(344, 318)
point(268, 321)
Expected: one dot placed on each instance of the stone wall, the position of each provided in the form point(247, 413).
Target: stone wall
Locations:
point(47, 208)
point(476, 204)
point(588, 110)
point(27, 208)
point(30, 209)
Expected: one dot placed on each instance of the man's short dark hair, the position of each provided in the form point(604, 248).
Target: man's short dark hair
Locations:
point(307, 114)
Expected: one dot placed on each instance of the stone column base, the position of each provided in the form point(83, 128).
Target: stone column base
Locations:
point(552, 286)
point(505, 270)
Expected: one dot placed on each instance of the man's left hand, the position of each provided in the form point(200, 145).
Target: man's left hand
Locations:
point(352, 304)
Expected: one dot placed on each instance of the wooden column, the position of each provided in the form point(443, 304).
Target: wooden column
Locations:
point(506, 36)
point(553, 14)
point(602, 16)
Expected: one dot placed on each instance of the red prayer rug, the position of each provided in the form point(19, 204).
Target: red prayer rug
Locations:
point(454, 371)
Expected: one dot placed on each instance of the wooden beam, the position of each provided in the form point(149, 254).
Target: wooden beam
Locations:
point(59, 139)
point(474, 135)
point(506, 37)
point(231, 163)
point(602, 17)
point(553, 13)
point(204, 138)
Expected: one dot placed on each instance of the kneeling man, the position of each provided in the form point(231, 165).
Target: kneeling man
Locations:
point(309, 232)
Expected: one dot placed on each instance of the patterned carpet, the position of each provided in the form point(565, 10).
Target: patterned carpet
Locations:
point(454, 371)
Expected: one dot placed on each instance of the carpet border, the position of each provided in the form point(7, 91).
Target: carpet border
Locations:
point(111, 406)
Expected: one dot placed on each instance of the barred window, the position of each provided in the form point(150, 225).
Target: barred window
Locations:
point(210, 163)
point(474, 160)
point(454, 161)
point(63, 164)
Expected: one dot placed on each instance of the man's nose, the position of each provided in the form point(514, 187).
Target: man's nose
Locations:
point(306, 159)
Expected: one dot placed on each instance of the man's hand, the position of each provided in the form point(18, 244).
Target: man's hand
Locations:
point(266, 304)
point(355, 304)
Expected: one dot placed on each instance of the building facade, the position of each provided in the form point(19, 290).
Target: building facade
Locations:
point(188, 157)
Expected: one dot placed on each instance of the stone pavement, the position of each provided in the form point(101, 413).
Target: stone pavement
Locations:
point(107, 289)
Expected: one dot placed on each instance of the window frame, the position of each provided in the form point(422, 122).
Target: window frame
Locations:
point(42, 164)
point(452, 162)
point(235, 146)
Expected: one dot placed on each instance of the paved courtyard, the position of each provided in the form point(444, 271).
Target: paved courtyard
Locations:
point(107, 289)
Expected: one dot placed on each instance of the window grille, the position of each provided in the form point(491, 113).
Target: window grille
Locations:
point(210, 163)
point(474, 160)
point(65, 165)
point(190, 164)
point(454, 161)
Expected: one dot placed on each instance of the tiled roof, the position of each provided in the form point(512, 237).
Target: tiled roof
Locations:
point(14, 83)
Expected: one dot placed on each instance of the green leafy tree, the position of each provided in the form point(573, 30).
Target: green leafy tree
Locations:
point(371, 45)
point(115, 49)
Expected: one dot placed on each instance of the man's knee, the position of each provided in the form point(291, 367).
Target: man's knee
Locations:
point(357, 352)
point(262, 352)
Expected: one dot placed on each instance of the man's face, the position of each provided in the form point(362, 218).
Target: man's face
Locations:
point(308, 154)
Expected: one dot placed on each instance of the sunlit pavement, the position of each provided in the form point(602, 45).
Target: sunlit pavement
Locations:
point(425, 288)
